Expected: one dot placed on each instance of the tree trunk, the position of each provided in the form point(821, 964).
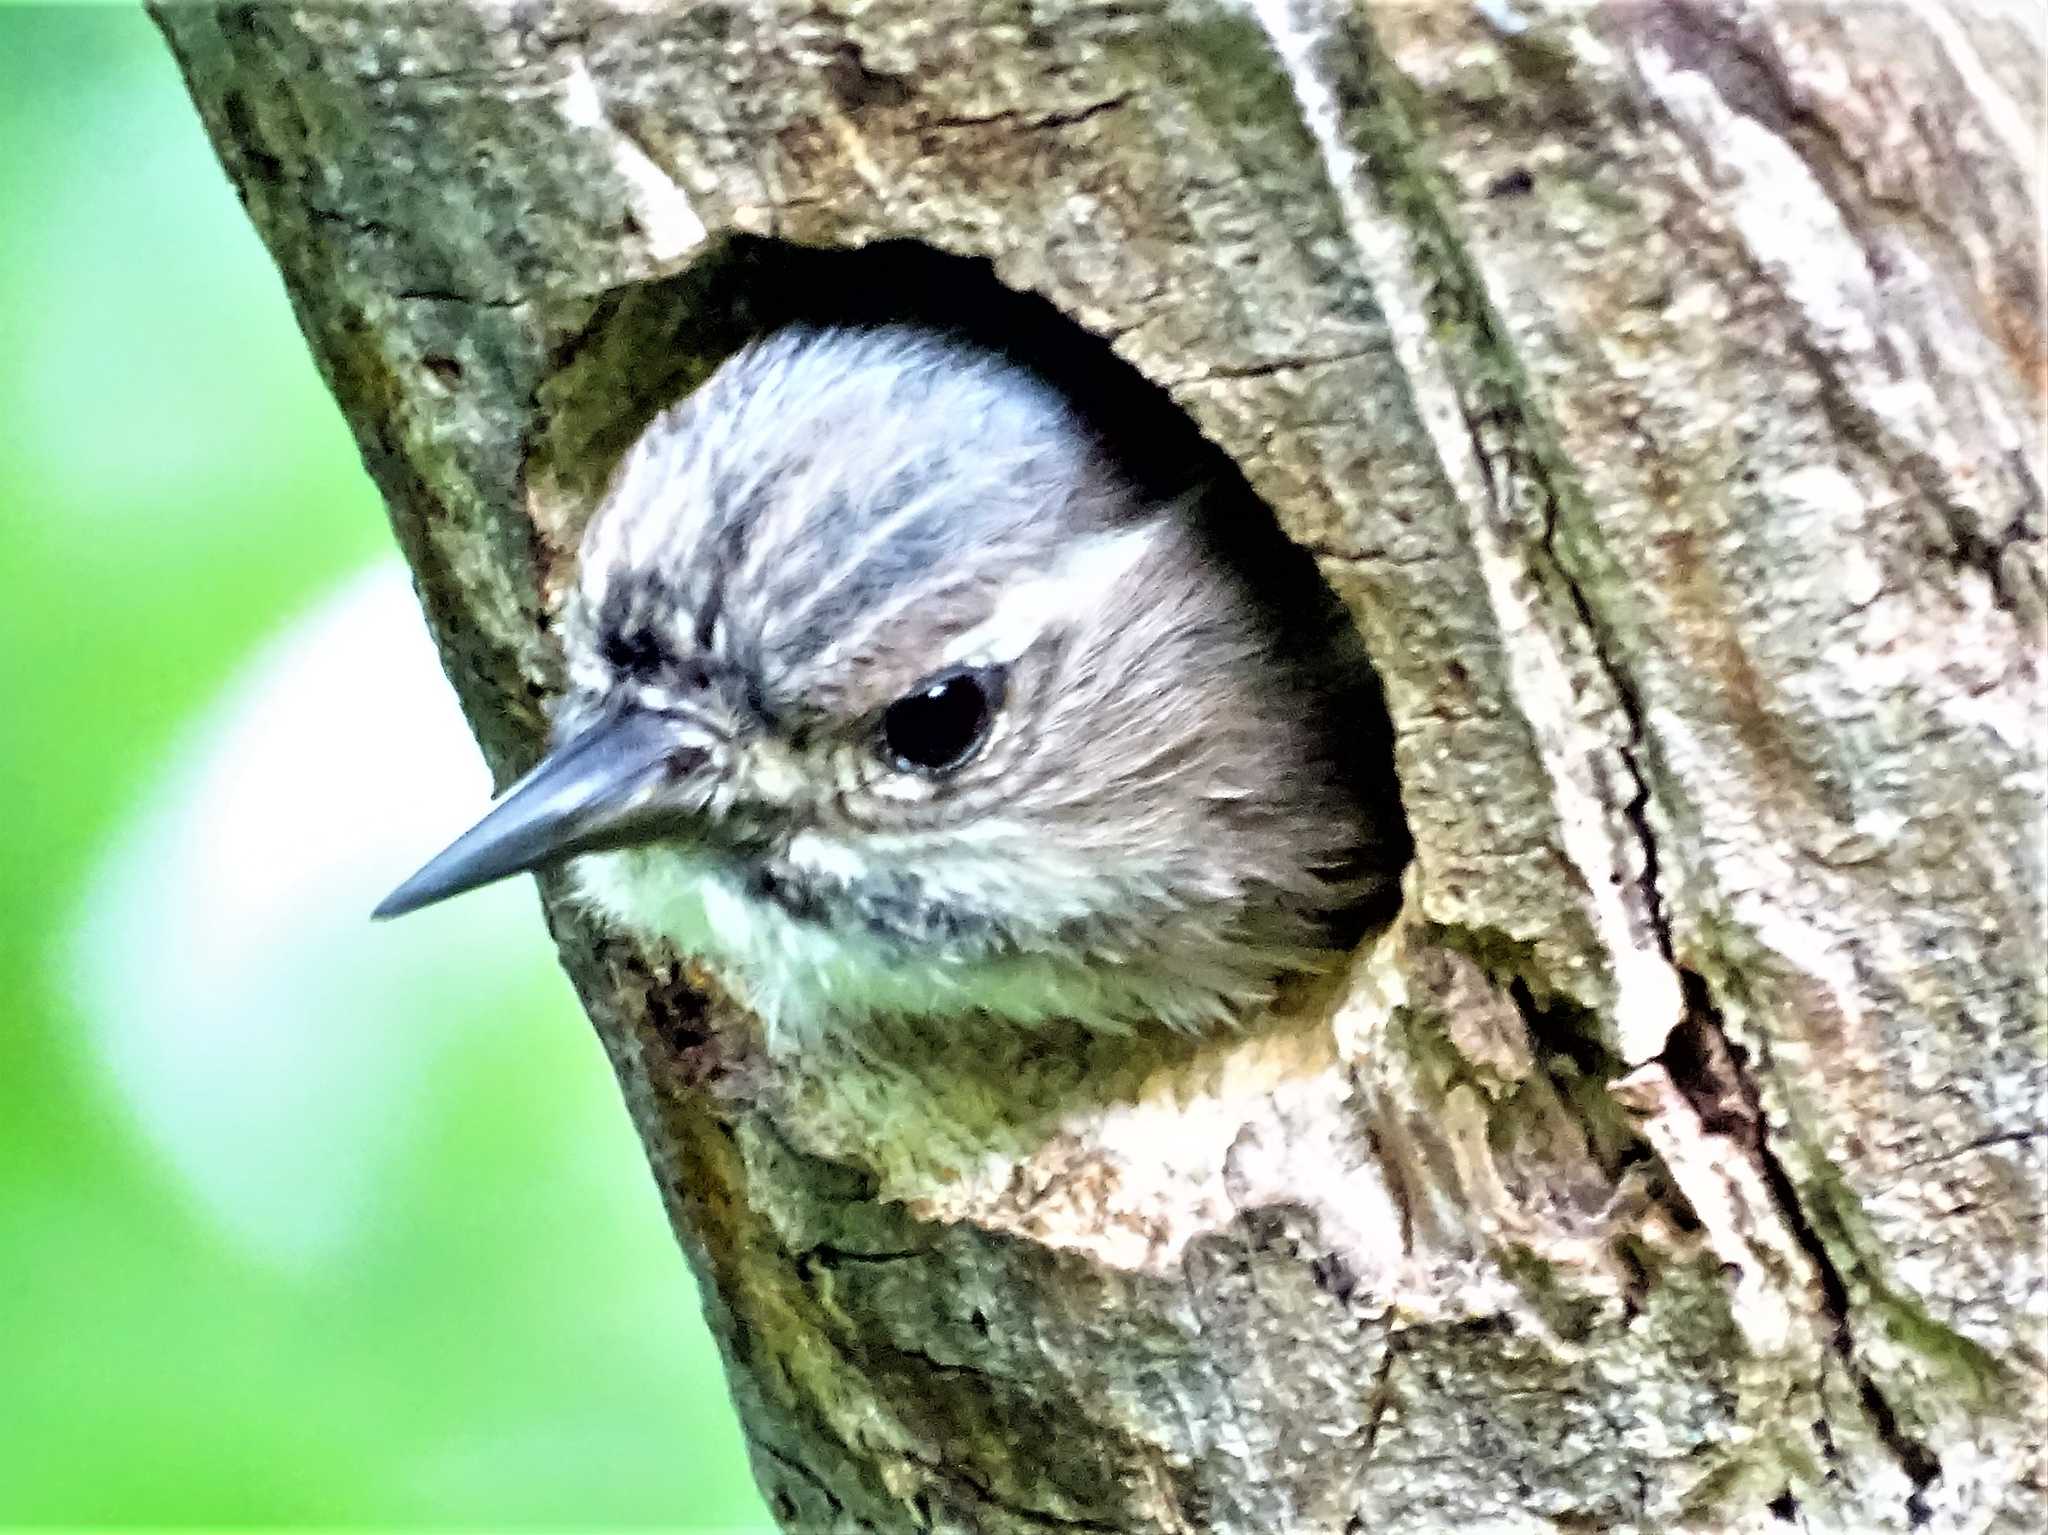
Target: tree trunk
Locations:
point(1660, 386)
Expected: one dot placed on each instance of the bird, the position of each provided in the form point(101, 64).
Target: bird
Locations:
point(890, 694)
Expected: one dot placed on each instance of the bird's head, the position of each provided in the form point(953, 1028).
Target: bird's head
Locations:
point(888, 695)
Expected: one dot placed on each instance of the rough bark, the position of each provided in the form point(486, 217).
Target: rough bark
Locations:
point(1661, 386)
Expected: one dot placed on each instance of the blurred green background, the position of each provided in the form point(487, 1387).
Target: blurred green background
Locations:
point(302, 1221)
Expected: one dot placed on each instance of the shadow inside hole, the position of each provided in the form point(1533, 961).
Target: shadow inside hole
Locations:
point(647, 346)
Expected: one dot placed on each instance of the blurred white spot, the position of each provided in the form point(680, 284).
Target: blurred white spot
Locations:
point(1502, 17)
point(271, 1042)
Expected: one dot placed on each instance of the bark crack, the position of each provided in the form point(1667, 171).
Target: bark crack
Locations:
point(1267, 367)
point(1706, 1066)
point(1703, 1016)
point(1066, 118)
point(794, 1468)
point(1981, 1143)
point(974, 1490)
point(1515, 457)
point(824, 1255)
point(1382, 1400)
point(452, 296)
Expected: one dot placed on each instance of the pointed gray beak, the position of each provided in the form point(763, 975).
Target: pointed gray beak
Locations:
point(614, 785)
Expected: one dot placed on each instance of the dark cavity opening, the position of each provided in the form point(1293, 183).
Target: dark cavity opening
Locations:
point(646, 346)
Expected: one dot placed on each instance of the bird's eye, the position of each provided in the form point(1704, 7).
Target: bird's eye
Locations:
point(638, 652)
point(937, 725)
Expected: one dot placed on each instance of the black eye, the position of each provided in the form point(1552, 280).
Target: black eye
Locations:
point(937, 725)
point(638, 652)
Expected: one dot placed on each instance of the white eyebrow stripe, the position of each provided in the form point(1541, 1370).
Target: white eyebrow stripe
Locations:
point(1085, 575)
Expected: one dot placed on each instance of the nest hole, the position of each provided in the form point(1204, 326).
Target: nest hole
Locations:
point(644, 347)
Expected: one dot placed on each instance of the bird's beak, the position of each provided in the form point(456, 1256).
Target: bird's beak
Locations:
point(614, 785)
